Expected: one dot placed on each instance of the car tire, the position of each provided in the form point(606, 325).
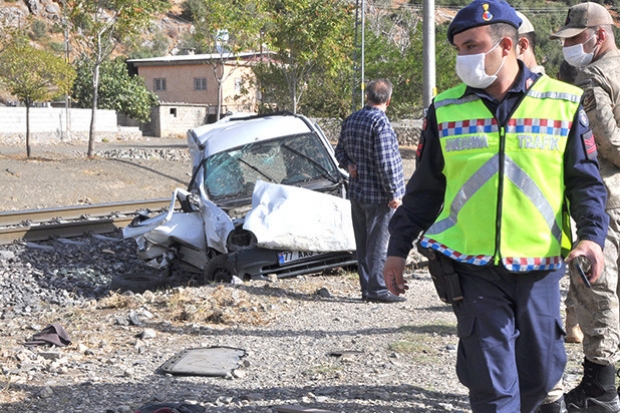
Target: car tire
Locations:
point(216, 271)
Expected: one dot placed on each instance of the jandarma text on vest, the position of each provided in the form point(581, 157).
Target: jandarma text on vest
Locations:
point(470, 142)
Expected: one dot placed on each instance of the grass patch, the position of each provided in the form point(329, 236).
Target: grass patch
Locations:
point(221, 304)
point(428, 342)
point(116, 300)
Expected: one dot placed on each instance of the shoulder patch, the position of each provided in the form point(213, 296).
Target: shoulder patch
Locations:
point(528, 83)
point(420, 148)
point(583, 118)
point(589, 145)
point(588, 100)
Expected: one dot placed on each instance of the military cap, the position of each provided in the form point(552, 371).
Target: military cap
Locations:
point(580, 17)
point(526, 24)
point(482, 13)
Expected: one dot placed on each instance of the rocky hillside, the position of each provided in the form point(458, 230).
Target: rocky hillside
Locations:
point(44, 22)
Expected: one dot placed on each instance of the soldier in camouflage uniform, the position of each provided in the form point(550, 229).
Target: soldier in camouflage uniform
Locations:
point(589, 44)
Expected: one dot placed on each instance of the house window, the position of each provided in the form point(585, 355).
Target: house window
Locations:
point(238, 84)
point(200, 83)
point(159, 83)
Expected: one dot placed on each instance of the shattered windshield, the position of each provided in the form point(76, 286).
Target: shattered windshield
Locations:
point(291, 160)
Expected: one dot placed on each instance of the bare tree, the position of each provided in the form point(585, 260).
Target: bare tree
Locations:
point(98, 26)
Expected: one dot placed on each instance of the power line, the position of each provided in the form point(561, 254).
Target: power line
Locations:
point(563, 9)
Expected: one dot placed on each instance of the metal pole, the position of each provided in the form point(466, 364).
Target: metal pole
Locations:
point(66, 24)
point(355, 54)
point(67, 95)
point(428, 43)
point(363, 83)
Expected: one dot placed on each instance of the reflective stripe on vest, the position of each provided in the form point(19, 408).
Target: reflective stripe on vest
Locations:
point(517, 175)
point(525, 176)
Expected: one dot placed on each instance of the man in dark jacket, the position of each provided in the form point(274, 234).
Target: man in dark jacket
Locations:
point(501, 158)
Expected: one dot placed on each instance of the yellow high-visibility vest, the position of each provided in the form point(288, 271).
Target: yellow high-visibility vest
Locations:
point(505, 184)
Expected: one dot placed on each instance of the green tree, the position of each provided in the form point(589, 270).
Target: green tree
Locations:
point(328, 96)
point(393, 49)
point(193, 10)
point(98, 26)
point(33, 76)
point(308, 37)
point(118, 90)
point(227, 28)
point(271, 83)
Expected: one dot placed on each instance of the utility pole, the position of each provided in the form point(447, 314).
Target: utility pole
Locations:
point(428, 44)
point(67, 116)
point(363, 83)
point(359, 83)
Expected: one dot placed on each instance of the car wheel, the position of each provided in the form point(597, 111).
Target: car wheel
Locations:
point(216, 271)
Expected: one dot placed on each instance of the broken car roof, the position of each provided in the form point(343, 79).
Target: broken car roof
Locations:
point(235, 131)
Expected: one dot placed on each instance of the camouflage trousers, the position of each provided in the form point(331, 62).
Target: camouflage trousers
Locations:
point(597, 307)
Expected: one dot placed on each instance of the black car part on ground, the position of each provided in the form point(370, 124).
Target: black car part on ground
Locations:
point(258, 263)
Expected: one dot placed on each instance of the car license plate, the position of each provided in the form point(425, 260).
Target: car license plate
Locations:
point(285, 257)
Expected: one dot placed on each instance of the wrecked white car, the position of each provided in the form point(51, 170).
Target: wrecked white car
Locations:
point(266, 196)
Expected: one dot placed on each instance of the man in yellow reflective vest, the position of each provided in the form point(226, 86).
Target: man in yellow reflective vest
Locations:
point(502, 160)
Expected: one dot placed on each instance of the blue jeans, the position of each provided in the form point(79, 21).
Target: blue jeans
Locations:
point(511, 341)
point(370, 226)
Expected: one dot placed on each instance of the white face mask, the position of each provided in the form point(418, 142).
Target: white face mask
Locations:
point(576, 56)
point(470, 68)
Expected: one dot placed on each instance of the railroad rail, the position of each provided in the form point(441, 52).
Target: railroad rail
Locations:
point(74, 221)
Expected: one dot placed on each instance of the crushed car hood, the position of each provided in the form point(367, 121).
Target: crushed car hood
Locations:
point(282, 217)
point(290, 218)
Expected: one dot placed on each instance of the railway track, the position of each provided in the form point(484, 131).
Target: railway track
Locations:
point(75, 221)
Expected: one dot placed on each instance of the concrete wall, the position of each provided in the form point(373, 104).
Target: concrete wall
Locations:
point(170, 120)
point(407, 131)
point(173, 121)
point(49, 125)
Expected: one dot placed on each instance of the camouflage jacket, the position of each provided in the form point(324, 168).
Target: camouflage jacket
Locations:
point(600, 81)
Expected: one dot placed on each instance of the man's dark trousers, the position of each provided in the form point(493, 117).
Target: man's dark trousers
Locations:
point(370, 226)
point(509, 326)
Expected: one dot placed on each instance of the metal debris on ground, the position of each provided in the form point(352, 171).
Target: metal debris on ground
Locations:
point(210, 361)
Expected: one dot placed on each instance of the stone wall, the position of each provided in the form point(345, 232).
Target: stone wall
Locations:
point(407, 130)
point(54, 125)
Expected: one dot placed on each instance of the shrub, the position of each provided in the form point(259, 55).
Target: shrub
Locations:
point(38, 29)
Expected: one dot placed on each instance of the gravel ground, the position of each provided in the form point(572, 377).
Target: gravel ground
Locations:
point(309, 341)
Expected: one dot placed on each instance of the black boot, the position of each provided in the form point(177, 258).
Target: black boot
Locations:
point(596, 392)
